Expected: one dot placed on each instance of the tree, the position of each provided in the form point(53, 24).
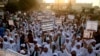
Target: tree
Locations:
point(23, 5)
point(26, 5)
point(11, 7)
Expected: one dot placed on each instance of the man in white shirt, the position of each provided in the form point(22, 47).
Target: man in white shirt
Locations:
point(46, 52)
point(12, 45)
point(5, 44)
point(63, 51)
point(68, 44)
point(90, 52)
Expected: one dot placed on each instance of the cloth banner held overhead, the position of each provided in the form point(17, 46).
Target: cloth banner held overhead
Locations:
point(92, 25)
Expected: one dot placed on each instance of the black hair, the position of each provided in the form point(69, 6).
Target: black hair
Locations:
point(5, 39)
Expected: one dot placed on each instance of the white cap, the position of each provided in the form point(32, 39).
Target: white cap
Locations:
point(78, 36)
point(16, 34)
point(92, 40)
point(78, 44)
point(67, 38)
point(5, 36)
point(23, 45)
point(73, 49)
point(46, 46)
point(53, 43)
point(22, 52)
point(59, 32)
point(38, 45)
point(11, 39)
point(47, 38)
point(36, 40)
point(44, 43)
point(55, 54)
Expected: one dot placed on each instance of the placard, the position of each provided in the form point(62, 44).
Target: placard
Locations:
point(88, 34)
point(71, 17)
point(58, 21)
point(92, 25)
point(11, 22)
point(47, 24)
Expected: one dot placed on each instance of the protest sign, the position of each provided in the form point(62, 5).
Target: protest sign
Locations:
point(11, 22)
point(47, 24)
point(71, 17)
point(58, 21)
point(92, 25)
point(88, 34)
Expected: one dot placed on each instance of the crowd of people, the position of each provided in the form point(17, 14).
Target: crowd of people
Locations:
point(26, 37)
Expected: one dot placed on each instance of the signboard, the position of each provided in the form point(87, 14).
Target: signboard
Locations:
point(92, 25)
point(71, 17)
point(40, 17)
point(11, 22)
point(47, 24)
point(88, 34)
point(58, 22)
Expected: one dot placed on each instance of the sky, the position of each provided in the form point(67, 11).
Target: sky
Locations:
point(94, 2)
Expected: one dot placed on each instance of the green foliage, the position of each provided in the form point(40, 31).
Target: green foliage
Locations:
point(26, 5)
point(23, 5)
point(11, 7)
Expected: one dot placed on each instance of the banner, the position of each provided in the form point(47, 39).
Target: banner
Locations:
point(9, 53)
point(11, 22)
point(47, 24)
point(88, 34)
point(71, 17)
point(58, 21)
point(92, 25)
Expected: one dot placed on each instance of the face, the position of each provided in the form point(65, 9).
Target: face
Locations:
point(90, 50)
point(93, 43)
point(11, 41)
point(78, 46)
point(73, 53)
point(36, 48)
point(26, 40)
point(45, 49)
point(67, 40)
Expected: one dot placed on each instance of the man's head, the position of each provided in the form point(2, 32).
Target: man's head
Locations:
point(73, 53)
point(90, 50)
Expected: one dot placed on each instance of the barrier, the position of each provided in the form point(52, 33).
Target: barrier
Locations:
point(9, 53)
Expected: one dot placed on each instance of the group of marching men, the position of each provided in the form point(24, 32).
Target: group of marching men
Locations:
point(64, 40)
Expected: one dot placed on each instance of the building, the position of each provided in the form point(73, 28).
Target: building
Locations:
point(63, 4)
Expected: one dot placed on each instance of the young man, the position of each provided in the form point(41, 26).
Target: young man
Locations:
point(46, 52)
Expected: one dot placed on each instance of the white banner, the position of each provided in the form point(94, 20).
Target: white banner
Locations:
point(11, 22)
point(88, 34)
point(92, 25)
point(47, 24)
point(71, 17)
